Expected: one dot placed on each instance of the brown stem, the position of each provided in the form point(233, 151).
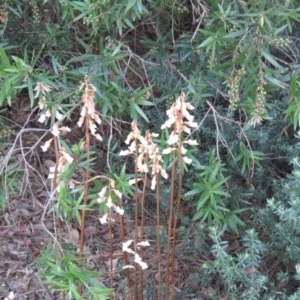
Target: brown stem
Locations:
point(158, 239)
point(178, 200)
point(54, 186)
point(170, 221)
point(136, 204)
point(111, 251)
point(86, 189)
point(125, 257)
point(141, 295)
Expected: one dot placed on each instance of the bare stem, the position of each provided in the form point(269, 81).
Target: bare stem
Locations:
point(178, 200)
point(136, 210)
point(158, 240)
point(54, 186)
point(170, 222)
point(122, 233)
point(141, 295)
point(86, 189)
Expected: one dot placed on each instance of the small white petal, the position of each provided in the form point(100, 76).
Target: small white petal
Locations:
point(183, 150)
point(168, 150)
point(103, 191)
point(46, 145)
point(118, 193)
point(98, 137)
point(126, 245)
point(97, 119)
point(58, 115)
point(173, 138)
point(186, 160)
point(55, 130)
point(80, 121)
point(41, 104)
point(104, 219)
point(119, 210)
point(153, 183)
point(163, 173)
point(144, 244)
point(139, 261)
point(191, 142)
point(189, 106)
point(125, 152)
point(191, 124)
point(128, 267)
point(42, 118)
point(64, 129)
point(186, 129)
point(67, 156)
point(109, 203)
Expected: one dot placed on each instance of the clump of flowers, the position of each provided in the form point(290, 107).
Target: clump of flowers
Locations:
point(148, 153)
point(107, 194)
point(88, 109)
point(137, 258)
point(182, 122)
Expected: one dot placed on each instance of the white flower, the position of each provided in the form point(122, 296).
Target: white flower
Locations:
point(168, 150)
point(191, 142)
point(125, 153)
point(103, 191)
point(168, 123)
point(97, 119)
point(186, 129)
point(58, 115)
point(55, 131)
point(46, 145)
point(119, 210)
point(64, 129)
point(153, 183)
point(109, 203)
point(139, 261)
point(67, 156)
point(128, 267)
point(98, 137)
point(118, 193)
point(41, 104)
point(144, 244)
point(126, 248)
point(173, 138)
point(104, 219)
point(191, 124)
point(163, 173)
point(41, 88)
point(80, 121)
point(183, 150)
point(186, 160)
point(132, 181)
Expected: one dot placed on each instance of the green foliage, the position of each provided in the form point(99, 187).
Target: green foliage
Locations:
point(210, 193)
point(248, 157)
point(293, 110)
point(239, 274)
point(238, 63)
point(66, 276)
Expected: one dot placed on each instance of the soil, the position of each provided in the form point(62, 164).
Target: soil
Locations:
point(27, 225)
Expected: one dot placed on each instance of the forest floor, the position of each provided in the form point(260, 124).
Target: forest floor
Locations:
point(27, 226)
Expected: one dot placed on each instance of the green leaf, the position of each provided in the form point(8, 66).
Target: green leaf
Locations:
point(276, 82)
point(140, 112)
point(271, 60)
point(210, 40)
point(129, 5)
point(233, 35)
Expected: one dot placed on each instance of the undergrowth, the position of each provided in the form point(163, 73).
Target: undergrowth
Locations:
point(170, 127)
